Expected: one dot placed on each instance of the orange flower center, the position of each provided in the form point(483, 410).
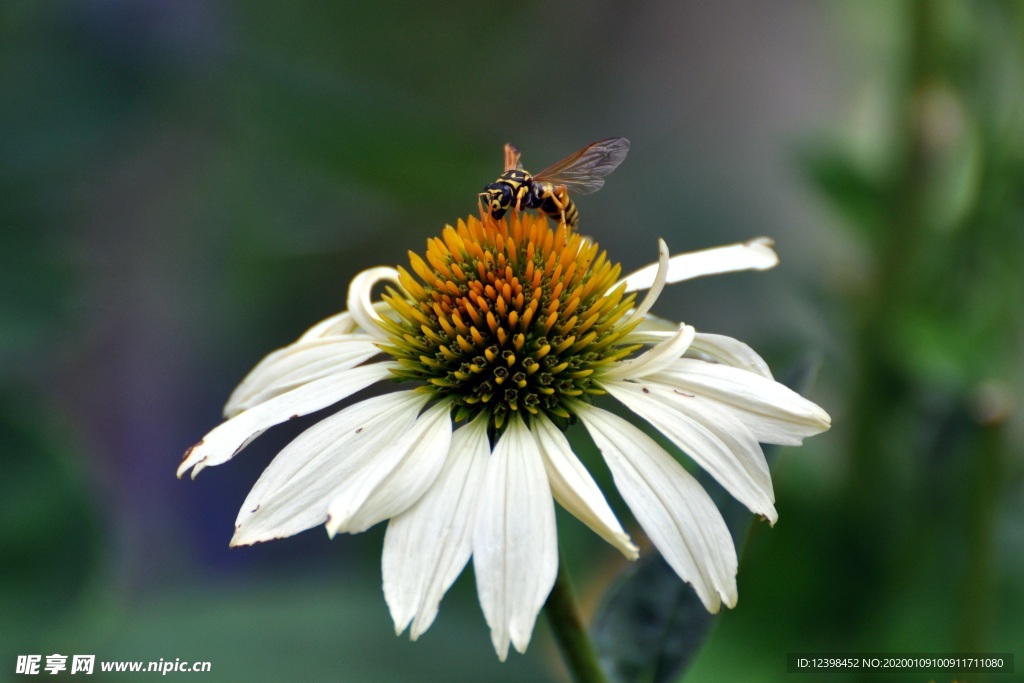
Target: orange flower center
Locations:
point(508, 316)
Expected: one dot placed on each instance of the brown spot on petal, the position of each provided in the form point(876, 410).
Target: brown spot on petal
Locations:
point(359, 430)
point(646, 390)
point(189, 451)
point(683, 393)
point(293, 416)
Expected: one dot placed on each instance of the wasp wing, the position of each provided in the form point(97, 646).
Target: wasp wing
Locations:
point(584, 171)
point(512, 155)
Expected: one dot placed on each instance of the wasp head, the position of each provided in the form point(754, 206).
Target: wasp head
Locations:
point(498, 197)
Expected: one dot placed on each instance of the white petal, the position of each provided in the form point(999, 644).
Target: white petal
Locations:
point(713, 438)
point(575, 489)
point(427, 546)
point(757, 254)
point(656, 286)
point(230, 437)
point(772, 411)
point(710, 347)
point(730, 351)
point(675, 511)
point(342, 323)
point(515, 548)
point(338, 324)
point(359, 303)
point(396, 477)
point(653, 360)
point(652, 330)
point(297, 364)
point(294, 491)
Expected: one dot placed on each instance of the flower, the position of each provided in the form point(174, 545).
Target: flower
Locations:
point(504, 332)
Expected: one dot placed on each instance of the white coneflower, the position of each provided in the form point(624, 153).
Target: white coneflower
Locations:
point(502, 334)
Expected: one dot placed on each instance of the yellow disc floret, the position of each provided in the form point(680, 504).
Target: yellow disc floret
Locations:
point(505, 316)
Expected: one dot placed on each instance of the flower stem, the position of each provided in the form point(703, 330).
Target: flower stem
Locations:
point(564, 616)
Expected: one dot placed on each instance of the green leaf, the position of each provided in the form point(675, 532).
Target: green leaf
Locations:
point(859, 196)
point(50, 529)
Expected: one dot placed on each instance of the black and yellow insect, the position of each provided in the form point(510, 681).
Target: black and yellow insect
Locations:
point(581, 173)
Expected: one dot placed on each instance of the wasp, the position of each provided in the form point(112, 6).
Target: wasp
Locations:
point(582, 172)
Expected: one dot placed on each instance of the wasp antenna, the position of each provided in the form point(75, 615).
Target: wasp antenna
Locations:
point(511, 157)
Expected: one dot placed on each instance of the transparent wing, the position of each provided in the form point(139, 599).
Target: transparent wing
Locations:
point(512, 155)
point(584, 171)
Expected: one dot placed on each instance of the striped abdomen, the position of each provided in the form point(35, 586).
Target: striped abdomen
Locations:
point(554, 201)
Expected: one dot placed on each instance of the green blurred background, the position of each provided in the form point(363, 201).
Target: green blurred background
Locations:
point(186, 185)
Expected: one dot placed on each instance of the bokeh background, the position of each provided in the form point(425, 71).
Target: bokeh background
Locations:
point(186, 185)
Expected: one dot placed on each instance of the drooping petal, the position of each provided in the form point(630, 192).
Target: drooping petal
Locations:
point(652, 330)
point(515, 548)
point(660, 356)
point(710, 347)
point(396, 478)
point(230, 437)
point(671, 506)
point(427, 546)
point(359, 303)
point(729, 351)
point(772, 411)
point(294, 492)
point(575, 489)
point(756, 254)
point(300, 363)
point(716, 440)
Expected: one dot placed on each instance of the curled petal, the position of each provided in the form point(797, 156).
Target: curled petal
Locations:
point(359, 303)
point(660, 277)
point(652, 360)
point(714, 348)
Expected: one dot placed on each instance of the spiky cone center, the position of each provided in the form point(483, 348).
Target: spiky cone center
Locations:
point(509, 316)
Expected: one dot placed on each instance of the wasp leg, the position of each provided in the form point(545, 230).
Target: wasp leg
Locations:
point(521, 192)
point(558, 196)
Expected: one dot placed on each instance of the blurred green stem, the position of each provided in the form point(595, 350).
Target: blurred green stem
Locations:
point(976, 594)
point(564, 616)
point(881, 385)
point(884, 416)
